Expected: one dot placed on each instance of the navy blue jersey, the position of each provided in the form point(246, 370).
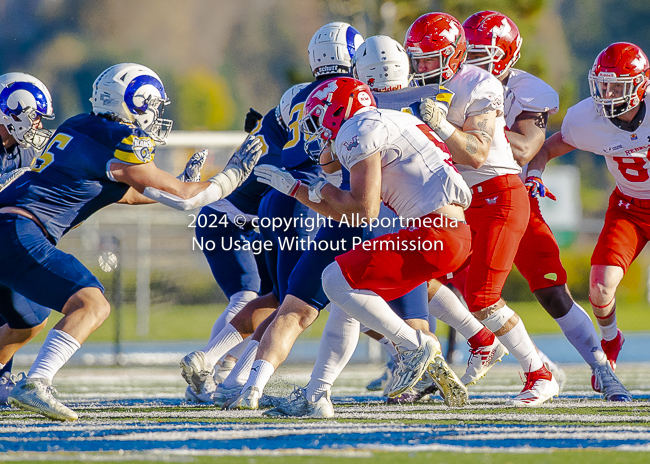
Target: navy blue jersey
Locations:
point(273, 134)
point(294, 155)
point(406, 100)
point(70, 182)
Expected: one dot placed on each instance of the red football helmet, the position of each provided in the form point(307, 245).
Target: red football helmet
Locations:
point(618, 80)
point(494, 34)
point(436, 35)
point(329, 105)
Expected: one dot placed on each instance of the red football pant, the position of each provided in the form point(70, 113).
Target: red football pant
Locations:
point(538, 256)
point(625, 233)
point(498, 217)
point(389, 270)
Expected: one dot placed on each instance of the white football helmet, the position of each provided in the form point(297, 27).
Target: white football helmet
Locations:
point(382, 63)
point(133, 93)
point(332, 48)
point(23, 101)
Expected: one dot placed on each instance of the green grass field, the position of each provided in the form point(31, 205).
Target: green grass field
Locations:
point(195, 322)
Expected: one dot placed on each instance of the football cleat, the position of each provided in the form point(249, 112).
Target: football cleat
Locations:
point(558, 373)
point(423, 388)
point(205, 397)
point(453, 392)
point(383, 381)
point(605, 381)
point(221, 394)
point(481, 361)
point(613, 347)
point(540, 386)
point(248, 399)
point(7, 384)
point(36, 396)
point(197, 373)
point(220, 374)
point(412, 364)
point(300, 406)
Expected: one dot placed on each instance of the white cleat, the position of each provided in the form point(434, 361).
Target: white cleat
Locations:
point(481, 361)
point(197, 373)
point(205, 397)
point(301, 407)
point(381, 382)
point(220, 374)
point(7, 384)
point(248, 399)
point(453, 392)
point(221, 395)
point(609, 385)
point(412, 364)
point(36, 395)
point(540, 386)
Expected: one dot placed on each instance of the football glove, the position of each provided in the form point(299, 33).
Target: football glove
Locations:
point(279, 179)
point(315, 188)
point(192, 172)
point(8, 177)
point(434, 113)
point(251, 120)
point(537, 189)
point(239, 166)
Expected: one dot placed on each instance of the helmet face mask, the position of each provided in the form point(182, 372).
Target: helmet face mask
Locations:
point(435, 36)
point(24, 102)
point(493, 41)
point(133, 93)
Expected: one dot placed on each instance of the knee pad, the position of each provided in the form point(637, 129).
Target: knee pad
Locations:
point(498, 318)
point(334, 282)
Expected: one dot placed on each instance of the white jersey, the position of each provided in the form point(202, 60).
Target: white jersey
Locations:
point(525, 92)
point(417, 176)
point(627, 153)
point(476, 91)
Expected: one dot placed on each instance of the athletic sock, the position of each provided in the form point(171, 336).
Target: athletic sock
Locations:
point(580, 331)
point(368, 308)
point(483, 338)
point(57, 350)
point(261, 373)
point(609, 331)
point(240, 373)
point(448, 308)
point(235, 304)
point(337, 344)
point(388, 346)
point(518, 342)
point(228, 338)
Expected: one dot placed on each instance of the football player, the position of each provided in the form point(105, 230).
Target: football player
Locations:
point(24, 102)
point(474, 131)
point(611, 123)
point(494, 43)
point(246, 276)
point(330, 54)
point(92, 161)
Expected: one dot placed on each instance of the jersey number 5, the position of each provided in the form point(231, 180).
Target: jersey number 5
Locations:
point(57, 143)
point(633, 169)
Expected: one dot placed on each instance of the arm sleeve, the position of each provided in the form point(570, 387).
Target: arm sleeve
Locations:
point(211, 194)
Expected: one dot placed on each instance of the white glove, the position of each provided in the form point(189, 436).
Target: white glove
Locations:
point(434, 113)
point(8, 177)
point(279, 179)
point(315, 188)
point(239, 166)
point(192, 172)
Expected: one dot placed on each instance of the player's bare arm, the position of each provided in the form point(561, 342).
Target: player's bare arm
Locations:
point(470, 146)
point(552, 148)
point(527, 135)
point(141, 176)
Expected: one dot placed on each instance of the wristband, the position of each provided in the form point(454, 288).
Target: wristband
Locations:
point(444, 130)
point(294, 190)
point(534, 173)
